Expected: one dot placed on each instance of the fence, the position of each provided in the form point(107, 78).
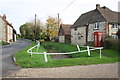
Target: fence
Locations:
point(78, 47)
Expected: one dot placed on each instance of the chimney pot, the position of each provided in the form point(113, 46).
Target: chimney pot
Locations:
point(97, 5)
point(4, 16)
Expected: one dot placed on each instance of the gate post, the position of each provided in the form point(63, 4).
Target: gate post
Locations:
point(100, 53)
point(31, 54)
point(78, 48)
point(45, 57)
point(88, 50)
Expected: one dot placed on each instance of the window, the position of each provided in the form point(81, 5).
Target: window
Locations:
point(79, 37)
point(115, 26)
point(96, 25)
point(75, 28)
point(114, 36)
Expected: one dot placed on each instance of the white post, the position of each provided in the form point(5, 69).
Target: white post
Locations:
point(31, 54)
point(38, 46)
point(100, 53)
point(88, 50)
point(45, 57)
point(78, 48)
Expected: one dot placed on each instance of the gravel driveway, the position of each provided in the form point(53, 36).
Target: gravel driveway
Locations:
point(7, 53)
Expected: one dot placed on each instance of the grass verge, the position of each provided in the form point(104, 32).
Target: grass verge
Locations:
point(23, 58)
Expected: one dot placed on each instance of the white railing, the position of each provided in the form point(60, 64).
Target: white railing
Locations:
point(78, 47)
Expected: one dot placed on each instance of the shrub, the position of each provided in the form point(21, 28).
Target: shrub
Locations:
point(90, 43)
point(3, 43)
point(112, 44)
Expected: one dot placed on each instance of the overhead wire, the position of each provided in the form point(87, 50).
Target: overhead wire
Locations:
point(67, 6)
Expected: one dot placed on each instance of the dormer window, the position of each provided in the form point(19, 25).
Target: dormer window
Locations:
point(75, 28)
point(115, 26)
point(96, 25)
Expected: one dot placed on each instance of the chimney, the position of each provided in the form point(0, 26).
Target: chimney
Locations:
point(4, 16)
point(97, 5)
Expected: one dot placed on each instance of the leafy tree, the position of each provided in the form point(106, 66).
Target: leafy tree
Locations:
point(52, 27)
point(27, 30)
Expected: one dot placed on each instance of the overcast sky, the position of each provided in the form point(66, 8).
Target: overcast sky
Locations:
point(20, 11)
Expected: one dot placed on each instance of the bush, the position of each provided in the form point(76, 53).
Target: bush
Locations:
point(112, 44)
point(90, 43)
point(3, 43)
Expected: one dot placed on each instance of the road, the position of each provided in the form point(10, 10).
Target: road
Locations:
point(7, 53)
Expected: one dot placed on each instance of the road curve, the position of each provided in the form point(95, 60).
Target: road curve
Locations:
point(7, 53)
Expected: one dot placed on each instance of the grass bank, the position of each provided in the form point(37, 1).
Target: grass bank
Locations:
point(3, 43)
point(23, 58)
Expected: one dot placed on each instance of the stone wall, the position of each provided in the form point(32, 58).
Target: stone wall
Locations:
point(78, 36)
point(91, 30)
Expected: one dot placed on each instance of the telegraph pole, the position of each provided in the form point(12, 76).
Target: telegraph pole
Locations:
point(35, 29)
point(58, 21)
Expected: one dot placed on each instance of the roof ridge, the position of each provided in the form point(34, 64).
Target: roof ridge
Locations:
point(102, 14)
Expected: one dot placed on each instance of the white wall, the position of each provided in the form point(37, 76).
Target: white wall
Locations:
point(2, 30)
point(10, 33)
point(62, 39)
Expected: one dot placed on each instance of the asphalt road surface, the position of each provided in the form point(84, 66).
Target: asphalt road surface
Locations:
point(7, 53)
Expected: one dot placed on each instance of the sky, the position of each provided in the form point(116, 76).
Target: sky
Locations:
point(19, 12)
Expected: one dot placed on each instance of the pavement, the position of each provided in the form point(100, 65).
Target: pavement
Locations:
point(7, 55)
point(89, 71)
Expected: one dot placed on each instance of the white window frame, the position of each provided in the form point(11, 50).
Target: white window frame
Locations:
point(96, 25)
point(114, 36)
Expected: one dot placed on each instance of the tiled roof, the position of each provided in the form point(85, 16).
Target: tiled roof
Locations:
point(64, 29)
point(83, 19)
point(6, 21)
point(105, 14)
point(109, 15)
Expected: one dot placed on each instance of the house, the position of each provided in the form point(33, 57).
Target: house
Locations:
point(101, 20)
point(8, 33)
point(64, 33)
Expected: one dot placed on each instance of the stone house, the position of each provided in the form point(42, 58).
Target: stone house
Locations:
point(8, 33)
point(64, 33)
point(101, 19)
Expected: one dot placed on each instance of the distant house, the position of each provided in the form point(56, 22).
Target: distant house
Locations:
point(64, 33)
point(8, 33)
point(100, 20)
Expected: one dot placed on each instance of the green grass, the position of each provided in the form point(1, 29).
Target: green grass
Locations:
point(110, 53)
point(63, 48)
point(23, 58)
